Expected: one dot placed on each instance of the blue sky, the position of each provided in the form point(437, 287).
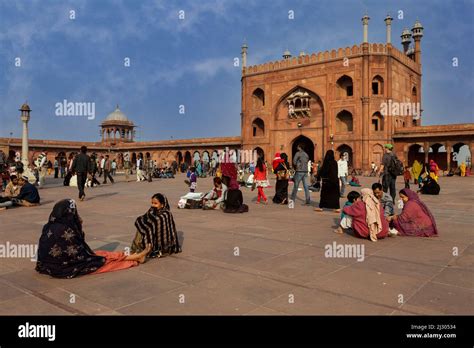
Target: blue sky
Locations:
point(190, 62)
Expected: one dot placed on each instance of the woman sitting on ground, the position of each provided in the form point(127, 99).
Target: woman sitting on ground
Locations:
point(368, 217)
point(415, 218)
point(64, 253)
point(215, 197)
point(429, 186)
point(233, 198)
point(157, 228)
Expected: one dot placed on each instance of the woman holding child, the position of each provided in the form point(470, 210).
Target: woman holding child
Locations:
point(367, 215)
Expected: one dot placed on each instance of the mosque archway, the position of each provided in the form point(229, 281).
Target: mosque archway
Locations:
point(306, 143)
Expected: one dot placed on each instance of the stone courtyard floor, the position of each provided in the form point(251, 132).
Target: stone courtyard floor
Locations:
point(281, 266)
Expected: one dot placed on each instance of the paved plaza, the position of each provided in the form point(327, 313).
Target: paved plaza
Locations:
point(270, 261)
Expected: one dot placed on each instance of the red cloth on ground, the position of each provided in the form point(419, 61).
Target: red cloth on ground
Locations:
point(359, 224)
point(114, 261)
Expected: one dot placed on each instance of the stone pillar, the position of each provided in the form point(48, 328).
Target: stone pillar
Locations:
point(388, 23)
point(244, 55)
point(365, 23)
point(365, 106)
point(25, 118)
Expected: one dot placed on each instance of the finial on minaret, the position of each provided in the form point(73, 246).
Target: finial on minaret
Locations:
point(406, 39)
point(417, 31)
point(388, 23)
point(286, 54)
point(365, 23)
point(244, 53)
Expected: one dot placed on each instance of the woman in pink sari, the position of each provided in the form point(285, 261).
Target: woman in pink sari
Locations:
point(415, 218)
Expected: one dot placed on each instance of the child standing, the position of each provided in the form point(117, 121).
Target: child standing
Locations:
point(192, 180)
point(260, 178)
point(407, 177)
point(346, 220)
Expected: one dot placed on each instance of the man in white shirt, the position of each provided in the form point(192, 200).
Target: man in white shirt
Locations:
point(342, 172)
point(42, 168)
point(102, 164)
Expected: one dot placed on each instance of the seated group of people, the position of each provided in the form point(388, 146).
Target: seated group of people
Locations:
point(64, 253)
point(19, 192)
point(371, 215)
point(225, 194)
point(163, 173)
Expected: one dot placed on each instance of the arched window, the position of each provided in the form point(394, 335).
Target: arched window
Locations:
point(344, 87)
point(344, 122)
point(377, 85)
point(377, 122)
point(258, 128)
point(258, 98)
point(413, 91)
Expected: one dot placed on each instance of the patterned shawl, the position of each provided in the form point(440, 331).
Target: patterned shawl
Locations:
point(63, 251)
point(372, 206)
point(157, 227)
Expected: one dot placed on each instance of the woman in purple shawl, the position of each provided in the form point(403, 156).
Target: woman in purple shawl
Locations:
point(415, 219)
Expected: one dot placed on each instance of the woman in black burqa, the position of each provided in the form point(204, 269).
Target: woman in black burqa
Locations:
point(330, 192)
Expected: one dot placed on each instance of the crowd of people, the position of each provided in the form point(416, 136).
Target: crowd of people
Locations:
point(369, 214)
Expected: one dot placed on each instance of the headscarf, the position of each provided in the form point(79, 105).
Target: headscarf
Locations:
point(62, 250)
point(413, 196)
point(372, 207)
point(277, 160)
point(157, 227)
point(229, 170)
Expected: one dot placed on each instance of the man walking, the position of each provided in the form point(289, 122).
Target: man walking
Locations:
point(139, 169)
point(81, 166)
point(388, 177)
point(42, 168)
point(301, 172)
point(101, 166)
point(126, 165)
point(107, 170)
point(342, 172)
point(56, 168)
point(149, 165)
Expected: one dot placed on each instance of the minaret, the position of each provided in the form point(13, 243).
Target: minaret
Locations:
point(365, 94)
point(388, 23)
point(417, 31)
point(244, 54)
point(406, 39)
point(286, 54)
point(25, 118)
point(365, 23)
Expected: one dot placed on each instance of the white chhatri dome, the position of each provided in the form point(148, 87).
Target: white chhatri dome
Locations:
point(117, 115)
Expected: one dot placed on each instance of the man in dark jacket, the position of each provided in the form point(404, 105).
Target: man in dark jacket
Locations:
point(81, 166)
point(28, 195)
